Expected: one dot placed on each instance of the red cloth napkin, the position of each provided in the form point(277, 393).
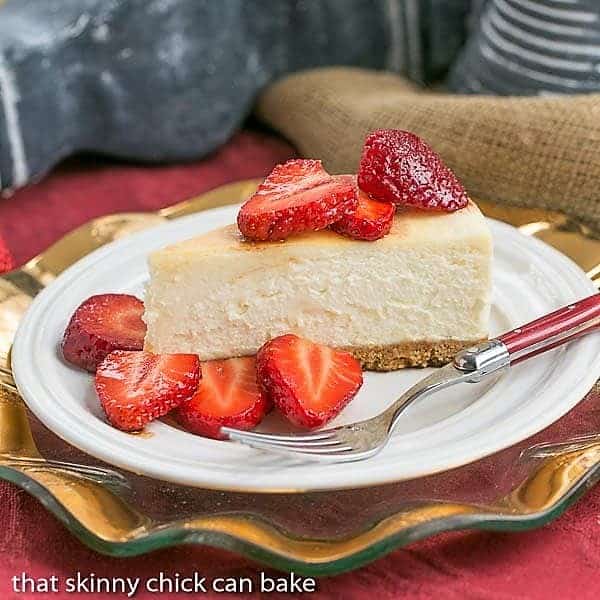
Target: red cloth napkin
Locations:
point(561, 560)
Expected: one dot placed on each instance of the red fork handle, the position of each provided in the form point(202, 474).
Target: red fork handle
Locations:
point(552, 330)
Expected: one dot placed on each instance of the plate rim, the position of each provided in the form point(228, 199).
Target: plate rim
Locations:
point(225, 483)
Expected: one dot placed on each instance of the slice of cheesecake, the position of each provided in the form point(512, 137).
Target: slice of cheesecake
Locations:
point(412, 298)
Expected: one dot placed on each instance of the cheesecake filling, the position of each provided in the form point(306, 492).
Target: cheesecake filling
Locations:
point(393, 305)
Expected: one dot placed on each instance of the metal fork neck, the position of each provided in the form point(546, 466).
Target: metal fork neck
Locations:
point(483, 359)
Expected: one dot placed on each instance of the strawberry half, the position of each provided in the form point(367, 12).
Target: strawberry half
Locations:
point(138, 387)
point(102, 324)
point(309, 383)
point(229, 395)
point(398, 166)
point(370, 220)
point(297, 196)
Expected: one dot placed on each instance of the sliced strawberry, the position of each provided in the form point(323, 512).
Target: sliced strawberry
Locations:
point(399, 167)
point(229, 395)
point(102, 324)
point(297, 196)
point(309, 383)
point(138, 387)
point(370, 221)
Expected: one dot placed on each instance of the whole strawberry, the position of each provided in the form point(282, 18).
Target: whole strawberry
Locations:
point(399, 167)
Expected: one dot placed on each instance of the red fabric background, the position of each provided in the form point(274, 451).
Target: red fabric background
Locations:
point(561, 560)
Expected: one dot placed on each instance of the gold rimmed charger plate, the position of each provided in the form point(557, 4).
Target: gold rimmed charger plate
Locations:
point(320, 533)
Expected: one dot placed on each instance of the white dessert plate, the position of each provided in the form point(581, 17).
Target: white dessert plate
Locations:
point(449, 429)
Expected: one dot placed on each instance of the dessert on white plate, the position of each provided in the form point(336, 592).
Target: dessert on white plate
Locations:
point(322, 276)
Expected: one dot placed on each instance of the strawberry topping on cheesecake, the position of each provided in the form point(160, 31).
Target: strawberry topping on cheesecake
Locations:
point(297, 196)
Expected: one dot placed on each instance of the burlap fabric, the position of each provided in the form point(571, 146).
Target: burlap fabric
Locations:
point(534, 151)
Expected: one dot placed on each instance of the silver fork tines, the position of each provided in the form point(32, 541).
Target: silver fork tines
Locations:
point(321, 448)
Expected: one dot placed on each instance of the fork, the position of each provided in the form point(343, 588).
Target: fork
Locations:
point(363, 439)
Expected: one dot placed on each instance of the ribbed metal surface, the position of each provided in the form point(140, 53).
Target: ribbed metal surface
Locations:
point(532, 47)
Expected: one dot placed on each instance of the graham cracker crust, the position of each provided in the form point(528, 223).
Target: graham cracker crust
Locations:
point(408, 354)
